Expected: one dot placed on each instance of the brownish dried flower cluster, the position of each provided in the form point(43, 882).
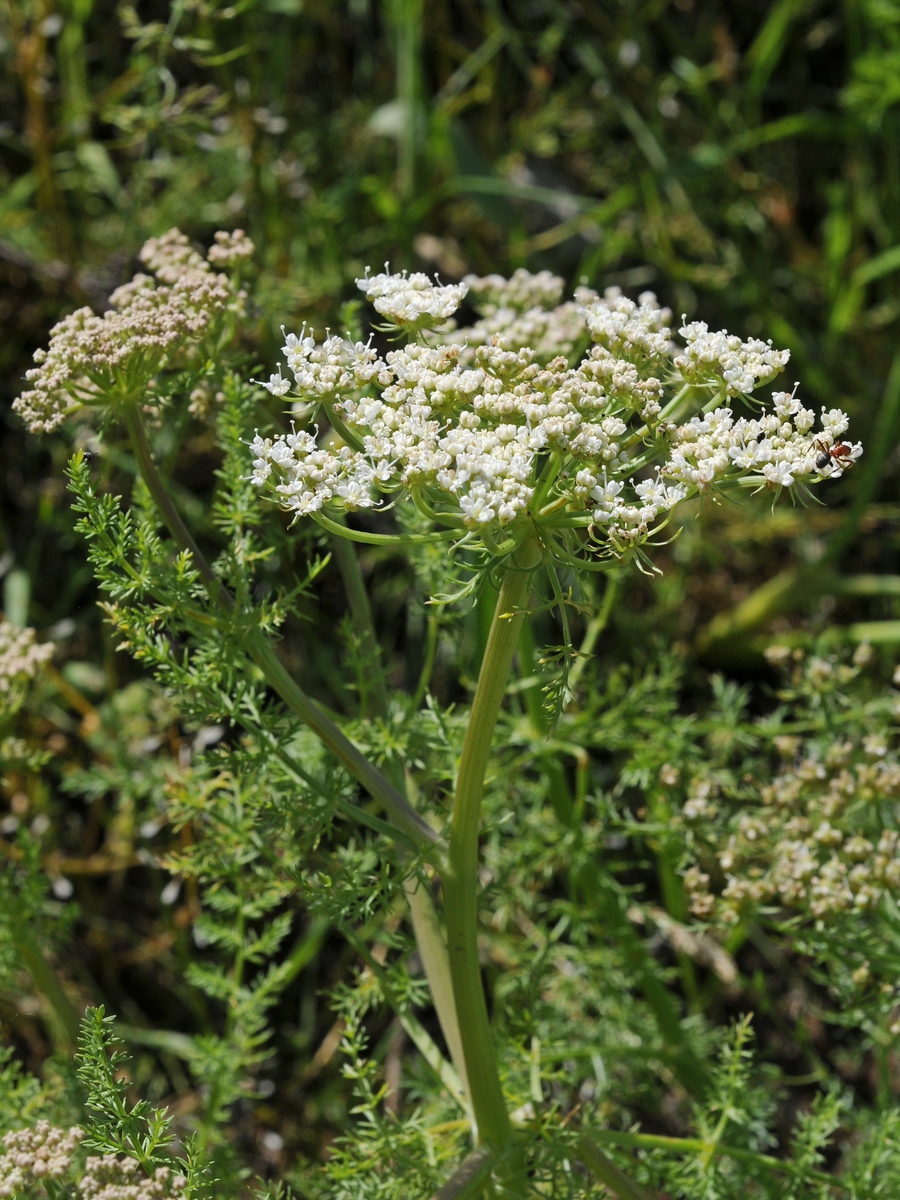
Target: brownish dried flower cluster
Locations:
point(33, 1155)
point(816, 843)
point(100, 360)
point(112, 1178)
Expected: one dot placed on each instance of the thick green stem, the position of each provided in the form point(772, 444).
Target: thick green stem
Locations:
point(469, 1179)
point(461, 874)
point(609, 1173)
point(263, 654)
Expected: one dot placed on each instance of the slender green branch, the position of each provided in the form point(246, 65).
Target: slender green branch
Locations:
point(134, 423)
point(346, 435)
point(263, 654)
point(418, 1035)
point(595, 627)
point(361, 611)
point(425, 922)
point(396, 806)
point(344, 806)
point(382, 539)
point(461, 875)
point(436, 965)
point(426, 925)
point(652, 1141)
point(608, 1172)
point(431, 645)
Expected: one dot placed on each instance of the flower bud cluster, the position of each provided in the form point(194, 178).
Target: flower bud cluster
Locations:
point(95, 360)
point(34, 1155)
point(490, 425)
point(20, 658)
point(522, 292)
point(816, 843)
point(638, 332)
point(112, 1178)
point(230, 249)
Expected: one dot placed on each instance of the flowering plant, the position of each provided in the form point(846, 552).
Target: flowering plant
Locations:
point(545, 436)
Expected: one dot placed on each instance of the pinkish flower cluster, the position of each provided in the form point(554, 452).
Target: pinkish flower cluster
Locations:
point(96, 360)
point(34, 1155)
point(112, 1178)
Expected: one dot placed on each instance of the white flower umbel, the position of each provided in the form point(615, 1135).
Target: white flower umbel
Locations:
point(95, 360)
point(638, 333)
point(497, 438)
point(412, 301)
point(525, 312)
point(742, 366)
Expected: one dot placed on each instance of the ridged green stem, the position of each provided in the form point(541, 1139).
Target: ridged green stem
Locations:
point(461, 875)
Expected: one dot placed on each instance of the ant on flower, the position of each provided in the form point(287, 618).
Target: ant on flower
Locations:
point(840, 455)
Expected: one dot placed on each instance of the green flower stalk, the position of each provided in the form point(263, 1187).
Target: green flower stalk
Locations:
point(461, 874)
point(510, 451)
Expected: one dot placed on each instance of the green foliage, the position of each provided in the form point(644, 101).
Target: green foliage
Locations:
point(118, 1125)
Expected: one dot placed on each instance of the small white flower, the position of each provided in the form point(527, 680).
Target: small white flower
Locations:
point(276, 385)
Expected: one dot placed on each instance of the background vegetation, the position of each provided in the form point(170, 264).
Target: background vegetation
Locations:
point(741, 160)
